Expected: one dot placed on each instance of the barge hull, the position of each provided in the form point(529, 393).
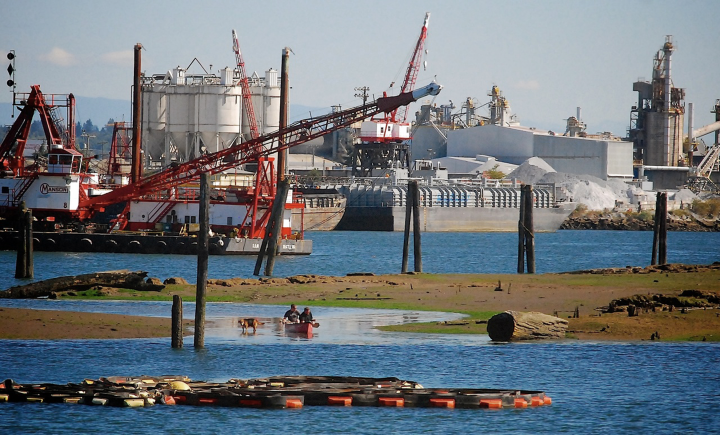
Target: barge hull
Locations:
point(452, 219)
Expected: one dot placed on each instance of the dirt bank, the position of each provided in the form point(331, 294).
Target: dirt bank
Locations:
point(18, 323)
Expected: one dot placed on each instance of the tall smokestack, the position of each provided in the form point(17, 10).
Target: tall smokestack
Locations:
point(136, 168)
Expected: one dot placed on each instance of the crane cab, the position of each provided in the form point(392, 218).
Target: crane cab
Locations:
point(64, 161)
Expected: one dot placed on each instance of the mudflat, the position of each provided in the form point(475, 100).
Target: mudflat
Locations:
point(478, 296)
point(24, 324)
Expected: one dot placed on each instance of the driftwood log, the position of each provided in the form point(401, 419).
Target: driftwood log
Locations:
point(516, 325)
point(114, 278)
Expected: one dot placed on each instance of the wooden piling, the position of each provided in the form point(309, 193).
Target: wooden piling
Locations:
point(417, 247)
point(278, 210)
point(20, 265)
point(406, 237)
point(202, 272)
point(24, 267)
point(656, 231)
point(662, 229)
point(29, 264)
point(521, 234)
point(177, 322)
point(529, 229)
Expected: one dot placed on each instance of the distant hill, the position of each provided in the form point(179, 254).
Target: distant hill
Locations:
point(100, 110)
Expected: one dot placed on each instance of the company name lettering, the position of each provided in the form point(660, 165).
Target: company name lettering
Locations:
point(45, 188)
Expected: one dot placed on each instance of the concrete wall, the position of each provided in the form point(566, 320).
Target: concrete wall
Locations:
point(506, 144)
point(574, 155)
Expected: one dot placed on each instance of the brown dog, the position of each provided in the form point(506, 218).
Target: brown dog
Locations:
point(246, 324)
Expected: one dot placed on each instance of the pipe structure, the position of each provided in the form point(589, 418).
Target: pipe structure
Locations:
point(136, 168)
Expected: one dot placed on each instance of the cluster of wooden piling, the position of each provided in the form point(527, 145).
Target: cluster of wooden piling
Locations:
point(526, 231)
point(412, 212)
point(274, 392)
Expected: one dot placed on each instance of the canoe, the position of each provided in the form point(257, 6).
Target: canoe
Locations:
point(299, 328)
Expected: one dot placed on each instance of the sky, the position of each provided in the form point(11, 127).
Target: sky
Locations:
point(548, 57)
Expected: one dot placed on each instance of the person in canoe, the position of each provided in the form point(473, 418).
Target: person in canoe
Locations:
point(292, 315)
point(306, 316)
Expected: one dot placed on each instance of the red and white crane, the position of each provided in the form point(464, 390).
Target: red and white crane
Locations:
point(393, 127)
point(253, 150)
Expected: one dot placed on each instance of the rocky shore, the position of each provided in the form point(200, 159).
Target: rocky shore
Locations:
point(638, 222)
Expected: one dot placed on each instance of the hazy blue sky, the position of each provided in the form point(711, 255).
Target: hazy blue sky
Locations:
point(548, 57)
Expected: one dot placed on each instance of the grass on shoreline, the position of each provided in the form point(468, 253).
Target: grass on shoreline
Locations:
point(474, 295)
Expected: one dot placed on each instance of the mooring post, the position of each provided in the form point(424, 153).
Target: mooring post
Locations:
point(278, 210)
point(529, 229)
point(177, 322)
point(521, 234)
point(656, 231)
point(202, 271)
point(20, 263)
point(29, 266)
point(417, 246)
point(24, 264)
point(406, 237)
point(662, 229)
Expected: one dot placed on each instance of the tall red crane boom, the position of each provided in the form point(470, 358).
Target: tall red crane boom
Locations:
point(245, 86)
point(412, 70)
point(295, 134)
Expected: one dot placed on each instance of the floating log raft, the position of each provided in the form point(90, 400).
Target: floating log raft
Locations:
point(516, 325)
point(274, 392)
point(114, 278)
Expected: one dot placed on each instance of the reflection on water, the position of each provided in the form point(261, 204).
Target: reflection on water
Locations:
point(337, 325)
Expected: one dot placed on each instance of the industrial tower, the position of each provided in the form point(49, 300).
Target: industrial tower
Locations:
point(656, 122)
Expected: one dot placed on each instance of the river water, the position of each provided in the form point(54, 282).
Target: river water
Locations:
point(596, 387)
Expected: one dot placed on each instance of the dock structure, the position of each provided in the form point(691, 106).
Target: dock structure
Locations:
point(280, 392)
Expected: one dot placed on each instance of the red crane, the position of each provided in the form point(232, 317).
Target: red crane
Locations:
point(245, 86)
point(252, 150)
point(13, 146)
point(412, 71)
point(393, 127)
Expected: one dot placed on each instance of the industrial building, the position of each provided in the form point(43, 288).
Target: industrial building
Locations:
point(501, 136)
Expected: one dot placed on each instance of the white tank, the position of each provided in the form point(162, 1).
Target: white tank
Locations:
point(271, 106)
point(189, 113)
point(185, 113)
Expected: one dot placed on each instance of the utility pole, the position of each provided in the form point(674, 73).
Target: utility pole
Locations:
point(362, 92)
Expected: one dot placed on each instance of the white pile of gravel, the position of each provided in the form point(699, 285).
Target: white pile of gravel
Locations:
point(593, 192)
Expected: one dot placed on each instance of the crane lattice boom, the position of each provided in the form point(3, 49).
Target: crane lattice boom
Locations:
point(295, 134)
point(245, 86)
point(413, 68)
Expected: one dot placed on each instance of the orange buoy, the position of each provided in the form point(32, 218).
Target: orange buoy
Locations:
point(537, 401)
point(391, 401)
point(293, 403)
point(491, 403)
point(442, 403)
point(547, 400)
point(339, 400)
point(521, 403)
point(169, 400)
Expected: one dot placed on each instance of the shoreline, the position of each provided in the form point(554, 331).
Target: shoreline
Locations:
point(477, 296)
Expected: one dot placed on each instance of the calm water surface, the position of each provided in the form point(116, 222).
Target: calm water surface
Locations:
point(337, 253)
point(640, 387)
